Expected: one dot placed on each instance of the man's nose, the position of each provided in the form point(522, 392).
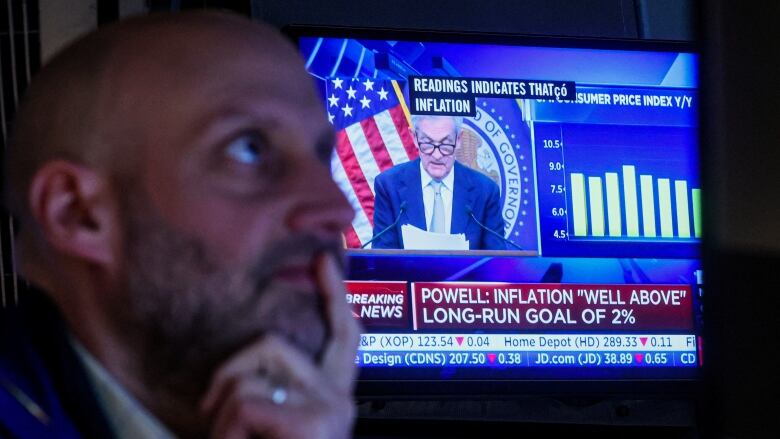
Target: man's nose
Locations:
point(437, 154)
point(323, 209)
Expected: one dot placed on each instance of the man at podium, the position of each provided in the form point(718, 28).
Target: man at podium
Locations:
point(437, 194)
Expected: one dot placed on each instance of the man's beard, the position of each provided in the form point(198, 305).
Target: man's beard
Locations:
point(188, 313)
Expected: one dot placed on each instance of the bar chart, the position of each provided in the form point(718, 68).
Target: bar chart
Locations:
point(616, 205)
point(609, 190)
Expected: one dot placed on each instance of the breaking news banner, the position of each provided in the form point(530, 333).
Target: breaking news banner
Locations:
point(462, 305)
point(456, 96)
point(379, 304)
point(525, 306)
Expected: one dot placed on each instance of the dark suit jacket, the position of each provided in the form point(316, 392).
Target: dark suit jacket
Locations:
point(402, 183)
point(37, 363)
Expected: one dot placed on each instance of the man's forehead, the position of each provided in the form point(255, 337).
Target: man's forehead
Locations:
point(194, 54)
point(192, 73)
point(143, 81)
point(232, 75)
point(438, 125)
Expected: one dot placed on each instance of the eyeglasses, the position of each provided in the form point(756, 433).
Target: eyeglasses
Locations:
point(427, 148)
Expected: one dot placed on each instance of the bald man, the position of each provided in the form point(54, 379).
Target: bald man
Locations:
point(187, 277)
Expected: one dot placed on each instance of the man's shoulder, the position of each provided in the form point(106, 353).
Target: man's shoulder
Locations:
point(477, 178)
point(398, 171)
point(38, 364)
point(20, 329)
point(21, 380)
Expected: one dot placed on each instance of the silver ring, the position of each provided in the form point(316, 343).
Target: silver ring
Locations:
point(279, 395)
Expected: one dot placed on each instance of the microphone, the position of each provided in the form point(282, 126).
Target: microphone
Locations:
point(401, 210)
point(470, 211)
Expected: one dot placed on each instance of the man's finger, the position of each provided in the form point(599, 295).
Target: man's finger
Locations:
point(338, 361)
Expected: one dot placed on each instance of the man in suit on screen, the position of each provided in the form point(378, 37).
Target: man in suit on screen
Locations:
point(436, 193)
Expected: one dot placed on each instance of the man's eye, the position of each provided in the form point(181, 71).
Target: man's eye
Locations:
point(245, 150)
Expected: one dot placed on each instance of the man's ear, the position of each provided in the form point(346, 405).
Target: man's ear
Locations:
point(76, 211)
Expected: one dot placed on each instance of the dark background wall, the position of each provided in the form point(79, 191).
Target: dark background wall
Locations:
point(741, 164)
point(19, 60)
point(657, 19)
point(607, 18)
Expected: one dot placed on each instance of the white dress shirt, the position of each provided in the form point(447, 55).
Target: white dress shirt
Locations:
point(127, 417)
point(447, 188)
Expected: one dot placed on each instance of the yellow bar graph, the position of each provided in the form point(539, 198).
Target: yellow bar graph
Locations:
point(579, 208)
point(665, 207)
point(629, 191)
point(596, 206)
point(602, 204)
point(681, 201)
point(613, 204)
point(696, 196)
point(648, 206)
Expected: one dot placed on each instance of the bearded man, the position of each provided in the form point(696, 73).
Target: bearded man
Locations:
point(170, 175)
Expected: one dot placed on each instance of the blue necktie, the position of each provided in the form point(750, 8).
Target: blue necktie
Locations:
point(437, 219)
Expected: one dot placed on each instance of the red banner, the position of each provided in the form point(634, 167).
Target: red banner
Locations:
point(489, 306)
point(379, 304)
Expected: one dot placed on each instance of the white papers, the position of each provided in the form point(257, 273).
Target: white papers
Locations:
point(418, 239)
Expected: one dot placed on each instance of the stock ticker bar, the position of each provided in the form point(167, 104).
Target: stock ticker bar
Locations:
point(527, 350)
point(509, 359)
point(528, 342)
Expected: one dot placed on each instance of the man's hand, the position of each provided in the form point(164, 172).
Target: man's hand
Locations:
point(272, 390)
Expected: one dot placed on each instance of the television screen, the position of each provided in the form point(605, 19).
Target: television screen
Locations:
point(524, 208)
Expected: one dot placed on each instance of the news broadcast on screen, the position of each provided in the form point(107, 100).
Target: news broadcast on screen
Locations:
point(522, 210)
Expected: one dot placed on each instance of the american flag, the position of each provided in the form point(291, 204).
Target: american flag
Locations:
point(372, 134)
